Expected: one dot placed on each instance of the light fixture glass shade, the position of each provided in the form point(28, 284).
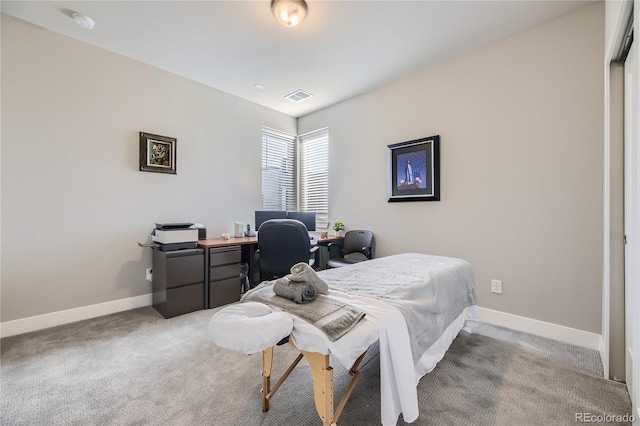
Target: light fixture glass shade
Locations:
point(289, 12)
point(84, 21)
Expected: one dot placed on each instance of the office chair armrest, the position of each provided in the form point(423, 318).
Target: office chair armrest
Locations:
point(314, 260)
point(367, 252)
point(335, 250)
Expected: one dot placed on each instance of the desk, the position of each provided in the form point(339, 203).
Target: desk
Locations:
point(219, 242)
point(248, 246)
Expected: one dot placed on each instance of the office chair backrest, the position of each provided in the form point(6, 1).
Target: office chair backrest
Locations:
point(360, 242)
point(282, 244)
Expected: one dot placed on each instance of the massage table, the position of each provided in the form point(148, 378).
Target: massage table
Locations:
point(414, 305)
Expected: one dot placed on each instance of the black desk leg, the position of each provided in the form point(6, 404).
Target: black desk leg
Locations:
point(249, 257)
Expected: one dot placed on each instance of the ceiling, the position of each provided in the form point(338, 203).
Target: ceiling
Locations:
point(342, 49)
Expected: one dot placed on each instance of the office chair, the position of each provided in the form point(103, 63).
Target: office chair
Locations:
point(354, 242)
point(281, 244)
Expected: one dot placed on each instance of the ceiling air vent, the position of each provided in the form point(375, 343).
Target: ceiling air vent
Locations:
point(298, 96)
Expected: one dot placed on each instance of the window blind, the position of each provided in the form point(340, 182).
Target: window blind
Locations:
point(314, 175)
point(278, 170)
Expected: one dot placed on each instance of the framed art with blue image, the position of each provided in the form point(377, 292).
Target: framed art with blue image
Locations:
point(413, 170)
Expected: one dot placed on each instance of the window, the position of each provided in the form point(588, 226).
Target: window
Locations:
point(285, 188)
point(278, 170)
point(314, 175)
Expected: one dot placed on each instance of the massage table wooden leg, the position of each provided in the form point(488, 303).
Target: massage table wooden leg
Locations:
point(322, 374)
point(267, 361)
point(355, 374)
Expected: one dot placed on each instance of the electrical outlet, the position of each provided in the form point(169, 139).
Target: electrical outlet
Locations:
point(149, 274)
point(496, 286)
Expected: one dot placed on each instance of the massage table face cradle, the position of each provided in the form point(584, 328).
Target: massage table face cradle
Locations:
point(322, 374)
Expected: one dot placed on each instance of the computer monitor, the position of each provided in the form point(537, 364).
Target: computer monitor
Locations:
point(264, 215)
point(308, 218)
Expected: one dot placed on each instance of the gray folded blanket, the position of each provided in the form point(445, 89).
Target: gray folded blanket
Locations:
point(299, 292)
point(302, 272)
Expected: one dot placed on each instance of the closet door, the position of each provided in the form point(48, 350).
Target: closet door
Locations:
point(632, 225)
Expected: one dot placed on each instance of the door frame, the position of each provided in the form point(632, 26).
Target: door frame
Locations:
point(617, 17)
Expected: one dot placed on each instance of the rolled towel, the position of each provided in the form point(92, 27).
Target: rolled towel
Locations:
point(299, 292)
point(302, 272)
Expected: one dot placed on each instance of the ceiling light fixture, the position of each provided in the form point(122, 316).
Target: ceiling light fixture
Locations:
point(84, 21)
point(289, 12)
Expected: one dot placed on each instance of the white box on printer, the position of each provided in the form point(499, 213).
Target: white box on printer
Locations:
point(171, 236)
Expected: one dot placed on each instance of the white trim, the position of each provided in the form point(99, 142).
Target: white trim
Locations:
point(539, 328)
point(39, 322)
point(561, 333)
point(616, 17)
point(604, 356)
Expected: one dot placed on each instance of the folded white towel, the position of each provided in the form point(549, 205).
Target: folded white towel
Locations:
point(302, 272)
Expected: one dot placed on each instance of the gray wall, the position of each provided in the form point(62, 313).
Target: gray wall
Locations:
point(521, 126)
point(73, 201)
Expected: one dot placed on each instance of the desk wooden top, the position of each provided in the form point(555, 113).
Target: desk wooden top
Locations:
point(329, 239)
point(234, 241)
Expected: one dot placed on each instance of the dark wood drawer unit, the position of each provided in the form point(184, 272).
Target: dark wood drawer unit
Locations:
point(224, 291)
point(182, 300)
point(224, 275)
point(178, 281)
point(184, 269)
point(225, 256)
point(225, 271)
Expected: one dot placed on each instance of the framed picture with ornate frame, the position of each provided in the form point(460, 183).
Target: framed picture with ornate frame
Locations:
point(157, 153)
point(413, 170)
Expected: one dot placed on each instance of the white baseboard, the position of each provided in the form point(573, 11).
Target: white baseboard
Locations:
point(40, 322)
point(561, 333)
point(603, 357)
point(539, 328)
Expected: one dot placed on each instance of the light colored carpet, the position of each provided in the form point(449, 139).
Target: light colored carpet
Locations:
point(136, 368)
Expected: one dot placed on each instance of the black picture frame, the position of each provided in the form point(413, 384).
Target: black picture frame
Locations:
point(413, 170)
point(157, 153)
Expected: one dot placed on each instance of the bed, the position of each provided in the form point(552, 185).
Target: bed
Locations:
point(414, 305)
